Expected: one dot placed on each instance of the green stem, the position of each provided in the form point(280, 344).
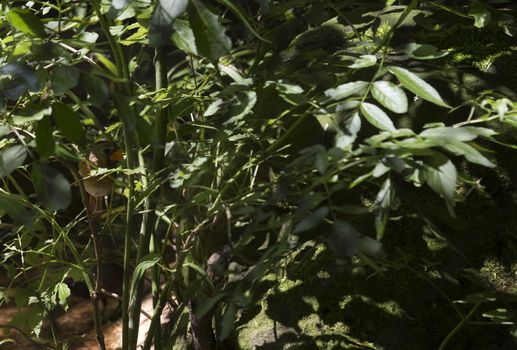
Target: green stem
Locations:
point(130, 222)
point(129, 142)
point(154, 328)
point(148, 240)
point(458, 327)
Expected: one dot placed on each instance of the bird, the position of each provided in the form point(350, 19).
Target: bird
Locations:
point(102, 154)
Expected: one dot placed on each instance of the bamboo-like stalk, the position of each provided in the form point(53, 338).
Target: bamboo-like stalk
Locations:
point(147, 239)
point(129, 142)
point(154, 328)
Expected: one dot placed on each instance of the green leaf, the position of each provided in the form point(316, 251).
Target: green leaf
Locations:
point(62, 291)
point(96, 88)
point(4, 130)
point(14, 207)
point(418, 86)
point(371, 248)
point(500, 316)
point(45, 143)
point(384, 202)
point(29, 319)
point(228, 321)
point(312, 220)
point(243, 19)
point(64, 78)
point(390, 96)
point(11, 158)
point(423, 51)
point(31, 113)
point(469, 152)
point(348, 133)
point(441, 175)
point(343, 240)
point(88, 37)
point(160, 28)
point(344, 90)
point(450, 134)
point(146, 263)
point(68, 122)
point(364, 61)
point(107, 63)
point(211, 40)
point(485, 132)
point(183, 36)
point(26, 22)
point(23, 79)
point(242, 107)
point(52, 188)
point(480, 13)
point(376, 116)
point(208, 305)
point(477, 298)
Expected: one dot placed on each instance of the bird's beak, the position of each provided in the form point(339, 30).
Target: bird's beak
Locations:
point(117, 156)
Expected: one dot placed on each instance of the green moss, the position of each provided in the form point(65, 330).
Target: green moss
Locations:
point(471, 46)
point(494, 273)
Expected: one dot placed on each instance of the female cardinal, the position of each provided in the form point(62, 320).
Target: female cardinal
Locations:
point(103, 154)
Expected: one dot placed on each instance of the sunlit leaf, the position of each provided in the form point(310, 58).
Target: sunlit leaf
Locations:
point(107, 63)
point(62, 291)
point(183, 36)
point(480, 13)
point(345, 90)
point(377, 117)
point(450, 134)
point(390, 96)
point(440, 174)
point(364, 61)
point(26, 22)
point(348, 133)
point(418, 86)
point(469, 152)
point(384, 201)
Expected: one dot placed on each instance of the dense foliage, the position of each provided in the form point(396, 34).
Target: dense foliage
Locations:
point(259, 136)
